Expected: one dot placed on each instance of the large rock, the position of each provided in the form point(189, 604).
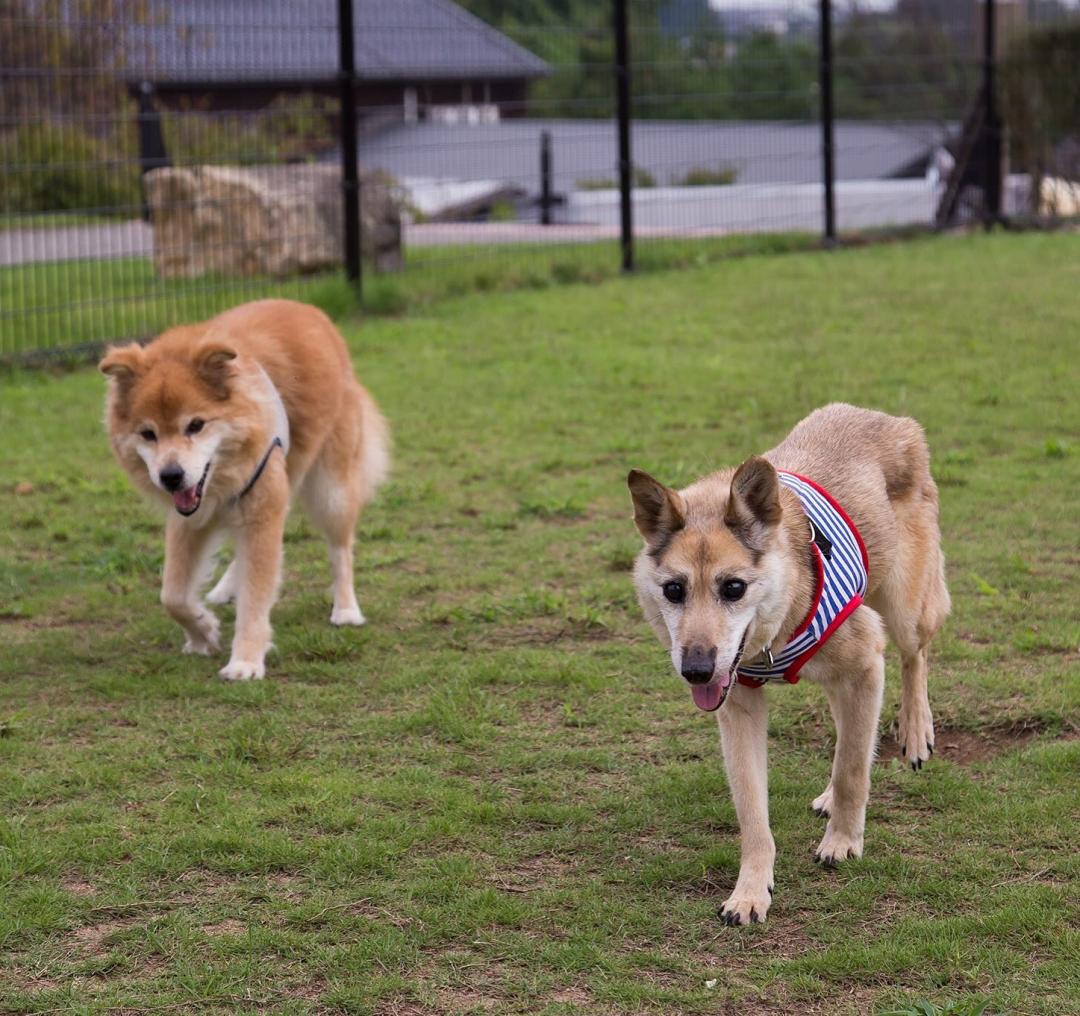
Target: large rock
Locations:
point(265, 220)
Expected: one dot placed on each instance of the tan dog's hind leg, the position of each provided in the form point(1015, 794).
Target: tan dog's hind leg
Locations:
point(743, 720)
point(914, 602)
point(915, 722)
point(187, 555)
point(225, 589)
point(855, 698)
point(258, 563)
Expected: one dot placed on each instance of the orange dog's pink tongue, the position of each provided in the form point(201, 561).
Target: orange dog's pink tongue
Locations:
point(708, 696)
point(186, 500)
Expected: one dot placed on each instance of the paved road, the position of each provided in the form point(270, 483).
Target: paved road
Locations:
point(135, 239)
point(661, 211)
point(75, 243)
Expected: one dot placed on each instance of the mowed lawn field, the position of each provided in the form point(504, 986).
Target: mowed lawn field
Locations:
point(497, 797)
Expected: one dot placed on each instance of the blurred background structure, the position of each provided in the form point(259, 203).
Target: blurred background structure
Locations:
point(160, 161)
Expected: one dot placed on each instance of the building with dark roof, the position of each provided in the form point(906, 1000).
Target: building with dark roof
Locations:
point(415, 59)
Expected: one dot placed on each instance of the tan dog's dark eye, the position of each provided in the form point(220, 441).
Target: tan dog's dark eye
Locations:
point(194, 427)
point(674, 591)
point(732, 589)
point(147, 435)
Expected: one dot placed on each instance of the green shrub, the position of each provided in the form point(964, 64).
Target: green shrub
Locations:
point(292, 128)
point(700, 176)
point(1040, 97)
point(502, 211)
point(50, 167)
point(641, 178)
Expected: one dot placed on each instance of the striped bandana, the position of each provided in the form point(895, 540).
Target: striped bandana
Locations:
point(841, 563)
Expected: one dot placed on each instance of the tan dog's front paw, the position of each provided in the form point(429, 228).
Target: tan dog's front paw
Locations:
point(746, 907)
point(822, 804)
point(836, 847)
point(916, 735)
point(243, 670)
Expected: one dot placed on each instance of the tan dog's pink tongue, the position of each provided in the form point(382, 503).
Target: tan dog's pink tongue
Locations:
point(186, 500)
point(708, 696)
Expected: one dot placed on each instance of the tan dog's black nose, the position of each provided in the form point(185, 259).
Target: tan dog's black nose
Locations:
point(698, 664)
point(171, 477)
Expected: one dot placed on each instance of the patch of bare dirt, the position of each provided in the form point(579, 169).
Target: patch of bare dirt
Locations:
point(230, 926)
point(967, 746)
point(544, 871)
point(545, 633)
point(93, 939)
point(570, 996)
point(308, 991)
point(383, 915)
point(77, 887)
point(21, 980)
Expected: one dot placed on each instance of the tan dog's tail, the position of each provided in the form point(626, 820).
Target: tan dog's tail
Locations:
point(374, 446)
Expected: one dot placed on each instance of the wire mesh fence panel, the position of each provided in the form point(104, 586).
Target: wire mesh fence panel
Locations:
point(157, 164)
point(160, 161)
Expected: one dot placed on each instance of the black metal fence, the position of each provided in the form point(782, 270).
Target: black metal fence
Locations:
point(161, 161)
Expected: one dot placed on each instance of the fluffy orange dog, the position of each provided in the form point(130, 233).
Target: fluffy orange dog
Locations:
point(220, 423)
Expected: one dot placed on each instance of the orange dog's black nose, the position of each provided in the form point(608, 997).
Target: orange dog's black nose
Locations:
point(171, 477)
point(698, 664)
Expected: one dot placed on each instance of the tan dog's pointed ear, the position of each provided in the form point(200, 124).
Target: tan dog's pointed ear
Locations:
point(213, 363)
point(659, 512)
point(122, 363)
point(753, 508)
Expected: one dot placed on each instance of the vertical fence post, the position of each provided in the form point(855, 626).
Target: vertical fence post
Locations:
point(622, 101)
point(350, 170)
point(992, 122)
point(152, 151)
point(828, 154)
point(545, 178)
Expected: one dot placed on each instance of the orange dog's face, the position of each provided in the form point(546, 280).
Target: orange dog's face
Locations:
point(168, 418)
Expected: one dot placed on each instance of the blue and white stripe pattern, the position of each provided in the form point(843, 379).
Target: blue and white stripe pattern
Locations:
point(842, 580)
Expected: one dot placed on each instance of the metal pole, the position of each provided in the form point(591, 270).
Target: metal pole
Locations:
point(350, 170)
point(152, 151)
point(828, 154)
point(545, 178)
point(992, 122)
point(622, 99)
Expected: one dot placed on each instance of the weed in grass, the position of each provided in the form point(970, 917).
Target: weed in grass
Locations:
point(984, 588)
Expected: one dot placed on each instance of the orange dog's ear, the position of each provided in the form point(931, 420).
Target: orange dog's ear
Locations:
point(214, 364)
point(122, 363)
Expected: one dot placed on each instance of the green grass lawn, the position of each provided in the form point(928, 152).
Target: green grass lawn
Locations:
point(497, 797)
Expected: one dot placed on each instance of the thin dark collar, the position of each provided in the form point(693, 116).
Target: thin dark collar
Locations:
point(276, 443)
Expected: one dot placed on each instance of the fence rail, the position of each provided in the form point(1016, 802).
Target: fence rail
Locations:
point(160, 161)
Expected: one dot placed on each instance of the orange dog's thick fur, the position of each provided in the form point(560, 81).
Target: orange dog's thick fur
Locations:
point(743, 525)
point(194, 418)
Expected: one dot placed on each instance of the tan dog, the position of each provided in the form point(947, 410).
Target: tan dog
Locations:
point(220, 423)
point(759, 573)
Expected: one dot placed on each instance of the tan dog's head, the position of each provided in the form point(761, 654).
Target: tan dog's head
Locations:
point(165, 416)
point(709, 575)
